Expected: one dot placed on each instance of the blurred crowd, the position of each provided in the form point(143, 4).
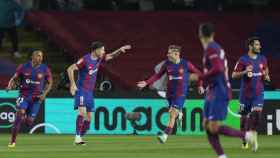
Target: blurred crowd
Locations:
point(149, 5)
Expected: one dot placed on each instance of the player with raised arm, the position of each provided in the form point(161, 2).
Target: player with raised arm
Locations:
point(218, 91)
point(178, 71)
point(252, 70)
point(87, 66)
point(35, 82)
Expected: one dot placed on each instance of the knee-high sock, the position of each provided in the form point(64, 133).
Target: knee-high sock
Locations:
point(85, 128)
point(254, 120)
point(243, 124)
point(29, 121)
point(16, 126)
point(168, 130)
point(227, 131)
point(79, 124)
point(214, 140)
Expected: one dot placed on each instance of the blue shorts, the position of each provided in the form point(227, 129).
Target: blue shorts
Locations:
point(215, 109)
point(31, 107)
point(177, 103)
point(84, 99)
point(247, 104)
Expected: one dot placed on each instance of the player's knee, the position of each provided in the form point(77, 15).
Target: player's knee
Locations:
point(29, 121)
point(82, 111)
point(173, 114)
point(20, 113)
point(255, 115)
point(213, 128)
point(205, 124)
point(88, 116)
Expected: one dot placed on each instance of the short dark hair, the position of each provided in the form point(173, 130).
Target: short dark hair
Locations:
point(175, 47)
point(250, 41)
point(206, 29)
point(95, 45)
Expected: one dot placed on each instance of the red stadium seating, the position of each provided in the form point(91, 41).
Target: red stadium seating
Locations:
point(149, 33)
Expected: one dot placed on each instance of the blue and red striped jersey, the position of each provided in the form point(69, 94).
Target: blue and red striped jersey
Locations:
point(252, 86)
point(32, 79)
point(177, 77)
point(88, 69)
point(216, 72)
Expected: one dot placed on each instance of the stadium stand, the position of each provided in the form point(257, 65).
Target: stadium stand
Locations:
point(150, 36)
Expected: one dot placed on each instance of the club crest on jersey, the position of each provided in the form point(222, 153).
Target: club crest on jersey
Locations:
point(181, 70)
point(169, 70)
point(40, 75)
point(261, 66)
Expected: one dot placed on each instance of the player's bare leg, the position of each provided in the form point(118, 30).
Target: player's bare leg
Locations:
point(255, 118)
point(173, 113)
point(79, 125)
point(214, 129)
point(211, 128)
point(20, 115)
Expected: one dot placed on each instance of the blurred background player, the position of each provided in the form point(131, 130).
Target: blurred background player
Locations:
point(88, 67)
point(252, 70)
point(11, 15)
point(218, 92)
point(35, 82)
point(177, 70)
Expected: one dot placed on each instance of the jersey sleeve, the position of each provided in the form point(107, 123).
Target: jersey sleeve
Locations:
point(81, 63)
point(193, 69)
point(158, 75)
point(216, 62)
point(19, 70)
point(240, 66)
point(48, 74)
point(265, 62)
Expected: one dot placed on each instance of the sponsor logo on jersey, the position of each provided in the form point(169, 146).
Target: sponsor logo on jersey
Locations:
point(181, 70)
point(28, 81)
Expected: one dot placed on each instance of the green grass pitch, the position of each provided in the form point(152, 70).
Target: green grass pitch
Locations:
point(61, 146)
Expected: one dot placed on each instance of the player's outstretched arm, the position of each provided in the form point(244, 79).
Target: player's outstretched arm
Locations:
point(196, 77)
point(266, 75)
point(11, 83)
point(70, 71)
point(117, 52)
point(141, 84)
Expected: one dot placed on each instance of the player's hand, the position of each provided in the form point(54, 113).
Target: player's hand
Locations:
point(73, 89)
point(8, 88)
point(201, 90)
point(267, 78)
point(124, 48)
point(249, 68)
point(10, 85)
point(141, 84)
point(193, 77)
point(42, 97)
